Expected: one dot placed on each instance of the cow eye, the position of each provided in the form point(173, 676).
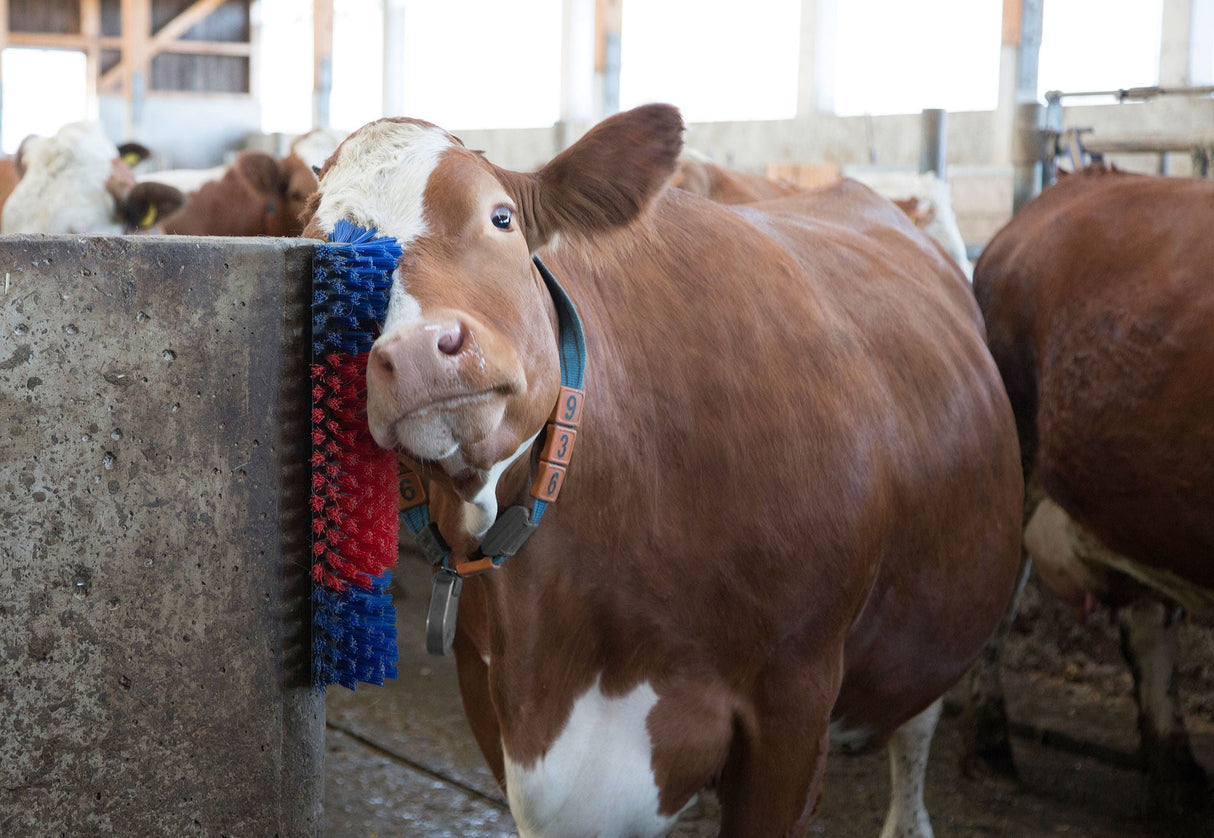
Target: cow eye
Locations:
point(501, 218)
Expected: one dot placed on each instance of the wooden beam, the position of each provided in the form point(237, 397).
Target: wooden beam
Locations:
point(48, 40)
point(158, 43)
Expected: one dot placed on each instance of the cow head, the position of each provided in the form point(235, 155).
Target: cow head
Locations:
point(284, 187)
point(466, 370)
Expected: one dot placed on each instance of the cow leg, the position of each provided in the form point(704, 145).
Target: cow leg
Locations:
point(984, 723)
point(772, 779)
point(908, 751)
point(1148, 640)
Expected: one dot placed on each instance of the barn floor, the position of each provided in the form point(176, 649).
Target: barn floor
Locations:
point(401, 761)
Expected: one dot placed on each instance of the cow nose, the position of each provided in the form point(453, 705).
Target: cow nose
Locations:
point(417, 348)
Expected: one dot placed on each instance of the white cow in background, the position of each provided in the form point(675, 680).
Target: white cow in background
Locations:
point(64, 187)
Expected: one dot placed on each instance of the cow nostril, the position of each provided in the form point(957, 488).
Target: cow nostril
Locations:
point(383, 361)
point(451, 339)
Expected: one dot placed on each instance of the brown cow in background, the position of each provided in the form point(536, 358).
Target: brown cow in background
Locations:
point(256, 196)
point(1099, 303)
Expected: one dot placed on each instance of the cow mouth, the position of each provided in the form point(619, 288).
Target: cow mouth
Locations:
point(444, 426)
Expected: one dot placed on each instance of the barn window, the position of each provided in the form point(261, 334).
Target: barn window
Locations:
point(27, 107)
point(720, 62)
point(483, 63)
point(285, 76)
point(890, 56)
point(1099, 45)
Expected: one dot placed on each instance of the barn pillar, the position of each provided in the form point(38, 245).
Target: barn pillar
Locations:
point(322, 61)
point(580, 108)
point(1019, 114)
point(394, 58)
point(608, 20)
point(1174, 43)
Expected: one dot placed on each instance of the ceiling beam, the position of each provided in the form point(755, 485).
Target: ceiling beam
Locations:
point(162, 41)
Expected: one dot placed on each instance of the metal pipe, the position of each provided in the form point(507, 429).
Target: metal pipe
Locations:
point(933, 141)
point(1133, 93)
point(1028, 153)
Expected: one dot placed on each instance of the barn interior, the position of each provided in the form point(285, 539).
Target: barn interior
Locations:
point(989, 98)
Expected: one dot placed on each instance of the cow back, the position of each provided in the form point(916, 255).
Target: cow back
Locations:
point(1099, 300)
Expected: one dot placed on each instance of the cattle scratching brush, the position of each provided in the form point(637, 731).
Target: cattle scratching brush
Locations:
point(354, 485)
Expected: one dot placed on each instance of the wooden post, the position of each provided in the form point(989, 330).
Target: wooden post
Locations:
point(607, 24)
point(136, 32)
point(322, 61)
point(90, 28)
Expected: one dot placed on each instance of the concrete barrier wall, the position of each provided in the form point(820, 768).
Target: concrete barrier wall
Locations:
point(153, 556)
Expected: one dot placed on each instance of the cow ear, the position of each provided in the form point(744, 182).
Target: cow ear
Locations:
point(260, 170)
point(133, 153)
point(604, 180)
point(148, 203)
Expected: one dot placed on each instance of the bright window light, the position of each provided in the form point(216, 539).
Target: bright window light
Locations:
point(358, 66)
point(285, 73)
point(892, 56)
point(27, 107)
point(483, 63)
point(1099, 45)
point(719, 61)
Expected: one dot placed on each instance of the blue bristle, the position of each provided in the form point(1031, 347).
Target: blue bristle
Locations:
point(353, 635)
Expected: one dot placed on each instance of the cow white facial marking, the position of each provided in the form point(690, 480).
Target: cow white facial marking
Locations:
point(596, 779)
point(908, 751)
point(379, 179)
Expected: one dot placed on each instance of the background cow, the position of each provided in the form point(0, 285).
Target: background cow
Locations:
point(793, 512)
point(67, 182)
point(697, 174)
point(1099, 301)
point(256, 196)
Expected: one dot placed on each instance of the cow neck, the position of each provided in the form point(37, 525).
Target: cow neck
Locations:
point(517, 523)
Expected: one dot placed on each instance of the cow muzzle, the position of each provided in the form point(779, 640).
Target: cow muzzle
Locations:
point(439, 385)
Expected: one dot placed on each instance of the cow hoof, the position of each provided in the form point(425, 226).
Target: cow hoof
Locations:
point(1177, 786)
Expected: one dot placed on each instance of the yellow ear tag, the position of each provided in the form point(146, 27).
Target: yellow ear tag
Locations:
point(130, 158)
point(149, 217)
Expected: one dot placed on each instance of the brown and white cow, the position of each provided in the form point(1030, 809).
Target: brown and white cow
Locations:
point(794, 509)
point(257, 195)
point(1099, 303)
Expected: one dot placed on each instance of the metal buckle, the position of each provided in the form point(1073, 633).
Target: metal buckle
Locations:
point(444, 611)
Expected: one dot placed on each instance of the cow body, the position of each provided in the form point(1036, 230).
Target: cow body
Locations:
point(794, 506)
point(1099, 301)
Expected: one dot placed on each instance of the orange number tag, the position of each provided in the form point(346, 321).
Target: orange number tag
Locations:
point(412, 490)
point(558, 447)
point(568, 407)
point(548, 482)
